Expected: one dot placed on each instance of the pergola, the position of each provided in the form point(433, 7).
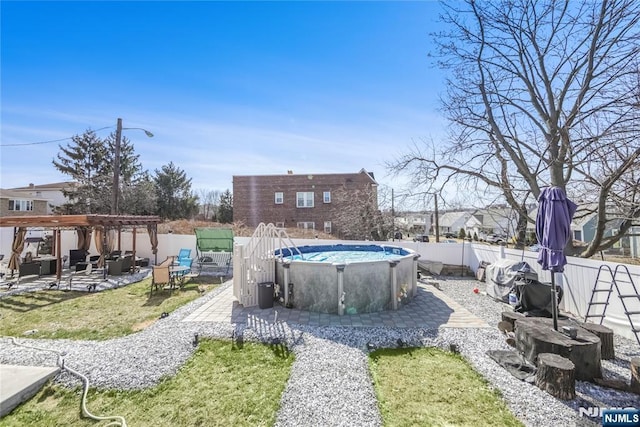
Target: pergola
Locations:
point(83, 224)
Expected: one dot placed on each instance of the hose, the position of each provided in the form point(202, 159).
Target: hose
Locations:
point(117, 419)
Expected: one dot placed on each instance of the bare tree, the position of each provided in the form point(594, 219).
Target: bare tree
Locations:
point(362, 220)
point(209, 201)
point(539, 93)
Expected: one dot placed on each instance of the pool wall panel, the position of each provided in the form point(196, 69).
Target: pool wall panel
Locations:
point(367, 285)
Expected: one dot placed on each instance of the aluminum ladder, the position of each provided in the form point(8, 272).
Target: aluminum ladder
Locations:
point(619, 277)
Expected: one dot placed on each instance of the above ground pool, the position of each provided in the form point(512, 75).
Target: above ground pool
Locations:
point(346, 279)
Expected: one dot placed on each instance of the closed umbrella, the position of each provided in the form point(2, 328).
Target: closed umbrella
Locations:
point(553, 230)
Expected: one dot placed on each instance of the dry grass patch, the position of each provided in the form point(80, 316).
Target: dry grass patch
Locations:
point(94, 316)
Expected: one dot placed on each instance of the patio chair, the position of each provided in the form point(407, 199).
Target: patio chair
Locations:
point(114, 267)
point(160, 274)
point(126, 263)
point(183, 254)
point(186, 262)
point(94, 260)
point(76, 256)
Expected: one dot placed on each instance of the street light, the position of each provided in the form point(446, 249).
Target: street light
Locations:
point(116, 165)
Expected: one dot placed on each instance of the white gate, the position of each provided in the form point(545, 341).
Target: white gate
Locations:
point(256, 262)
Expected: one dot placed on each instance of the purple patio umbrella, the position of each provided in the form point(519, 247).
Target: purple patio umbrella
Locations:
point(553, 230)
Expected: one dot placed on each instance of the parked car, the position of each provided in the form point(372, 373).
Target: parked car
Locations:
point(496, 238)
point(397, 235)
point(450, 235)
point(421, 238)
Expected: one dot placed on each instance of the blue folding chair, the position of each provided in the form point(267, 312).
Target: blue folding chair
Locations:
point(183, 254)
point(185, 262)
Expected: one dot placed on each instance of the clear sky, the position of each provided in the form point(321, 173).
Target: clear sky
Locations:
point(227, 88)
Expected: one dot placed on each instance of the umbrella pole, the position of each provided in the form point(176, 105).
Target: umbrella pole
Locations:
point(554, 301)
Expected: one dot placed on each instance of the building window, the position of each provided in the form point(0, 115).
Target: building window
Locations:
point(326, 197)
point(280, 224)
point(327, 227)
point(20, 205)
point(309, 225)
point(304, 199)
point(279, 198)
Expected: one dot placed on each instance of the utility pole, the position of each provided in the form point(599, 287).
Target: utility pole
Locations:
point(116, 170)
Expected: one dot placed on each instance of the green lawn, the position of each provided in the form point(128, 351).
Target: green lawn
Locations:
point(92, 316)
point(226, 385)
point(431, 387)
point(223, 384)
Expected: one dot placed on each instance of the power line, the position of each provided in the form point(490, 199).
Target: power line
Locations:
point(48, 142)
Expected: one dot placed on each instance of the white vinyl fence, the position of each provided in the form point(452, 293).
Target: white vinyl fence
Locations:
point(577, 280)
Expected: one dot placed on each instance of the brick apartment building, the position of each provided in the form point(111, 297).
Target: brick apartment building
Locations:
point(299, 200)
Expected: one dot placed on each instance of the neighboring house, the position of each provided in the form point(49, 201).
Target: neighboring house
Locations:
point(52, 193)
point(13, 203)
point(634, 242)
point(452, 222)
point(494, 220)
point(585, 221)
point(413, 222)
point(307, 201)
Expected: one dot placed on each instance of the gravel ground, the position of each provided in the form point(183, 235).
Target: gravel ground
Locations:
point(329, 384)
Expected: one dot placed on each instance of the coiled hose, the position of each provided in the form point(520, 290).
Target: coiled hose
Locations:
point(117, 419)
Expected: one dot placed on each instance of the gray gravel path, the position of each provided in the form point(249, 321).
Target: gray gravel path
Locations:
point(330, 384)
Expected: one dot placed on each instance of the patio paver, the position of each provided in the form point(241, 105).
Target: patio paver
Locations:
point(430, 308)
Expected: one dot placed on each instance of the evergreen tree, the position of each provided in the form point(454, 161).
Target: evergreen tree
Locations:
point(89, 161)
point(85, 161)
point(173, 192)
point(225, 208)
point(139, 197)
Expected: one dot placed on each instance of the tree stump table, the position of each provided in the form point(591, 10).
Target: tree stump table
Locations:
point(535, 335)
point(556, 376)
point(511, 317)
point(607, 351)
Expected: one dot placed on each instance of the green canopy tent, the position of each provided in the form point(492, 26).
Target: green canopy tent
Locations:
point(214, 249)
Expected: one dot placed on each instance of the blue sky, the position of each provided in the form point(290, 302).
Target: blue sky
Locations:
point(227, 88)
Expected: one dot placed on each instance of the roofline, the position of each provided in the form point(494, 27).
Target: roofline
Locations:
point(312, 174)
point(61, 221)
